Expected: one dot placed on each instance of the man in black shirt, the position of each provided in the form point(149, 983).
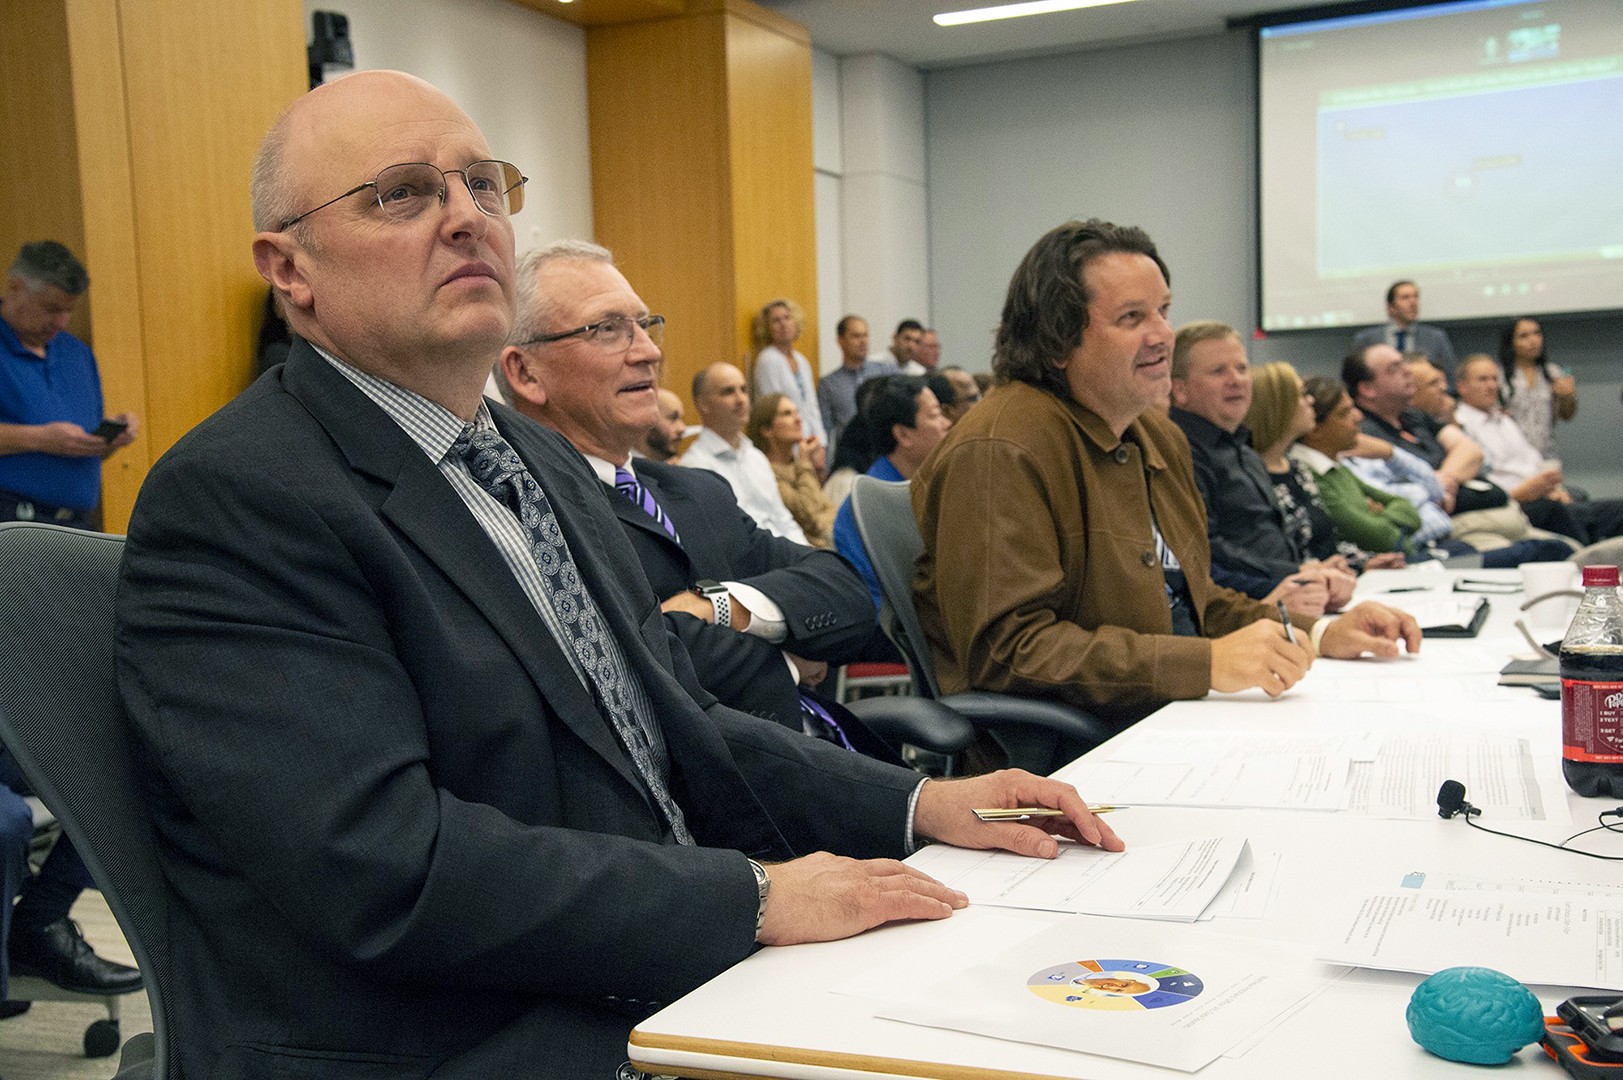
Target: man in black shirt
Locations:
point(1382, 385)
point(1251, 551)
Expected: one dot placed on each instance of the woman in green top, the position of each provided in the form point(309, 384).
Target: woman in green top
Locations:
point(1333, 513)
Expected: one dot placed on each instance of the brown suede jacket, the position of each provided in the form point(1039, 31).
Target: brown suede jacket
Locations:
point(1039, 574)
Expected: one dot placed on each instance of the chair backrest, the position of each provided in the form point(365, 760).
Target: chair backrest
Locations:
point(1605, 553)
point(62, 718)
point(883, 510)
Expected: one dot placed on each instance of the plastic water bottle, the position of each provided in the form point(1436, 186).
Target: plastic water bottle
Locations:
point(1592, 689)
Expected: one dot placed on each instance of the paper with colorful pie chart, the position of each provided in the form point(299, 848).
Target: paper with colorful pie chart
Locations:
point(1116, 985)
point(1160, 994)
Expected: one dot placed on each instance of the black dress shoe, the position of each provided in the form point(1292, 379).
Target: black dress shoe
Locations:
point(59, 954)
point(9, 1008)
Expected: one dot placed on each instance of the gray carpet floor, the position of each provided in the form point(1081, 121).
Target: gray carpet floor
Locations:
point(47, 1042)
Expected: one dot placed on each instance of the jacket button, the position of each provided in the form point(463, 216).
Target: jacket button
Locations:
point(1149, 559)
point(1120, 455)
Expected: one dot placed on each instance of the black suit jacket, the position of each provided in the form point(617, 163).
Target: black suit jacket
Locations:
point(401, 838)
point(827, 613)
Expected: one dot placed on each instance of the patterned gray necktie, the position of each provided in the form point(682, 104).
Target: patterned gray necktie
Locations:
point(497, 468)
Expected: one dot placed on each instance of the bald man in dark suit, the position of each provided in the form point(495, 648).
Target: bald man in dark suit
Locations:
point(434, 789)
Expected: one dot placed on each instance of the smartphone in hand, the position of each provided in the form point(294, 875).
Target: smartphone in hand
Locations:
point(109, 430)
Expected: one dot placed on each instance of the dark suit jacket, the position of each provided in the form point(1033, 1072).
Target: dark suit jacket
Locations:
point(825, 606)
point(401, 838)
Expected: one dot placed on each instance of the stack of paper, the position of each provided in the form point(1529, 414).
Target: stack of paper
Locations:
point(1174, 882)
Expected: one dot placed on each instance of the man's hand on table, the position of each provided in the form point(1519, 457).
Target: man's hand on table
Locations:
point(1369, 628)
point(1259, 655)
point(946, 814)
point(825, 897)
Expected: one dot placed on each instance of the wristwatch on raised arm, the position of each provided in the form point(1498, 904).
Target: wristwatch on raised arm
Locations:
point(720, 599)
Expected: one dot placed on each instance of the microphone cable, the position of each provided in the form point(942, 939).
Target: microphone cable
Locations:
point(1451, 803)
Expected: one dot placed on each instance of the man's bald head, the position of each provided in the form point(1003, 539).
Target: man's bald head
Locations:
point(307, 125)
point(424, 299)
point(720, 396)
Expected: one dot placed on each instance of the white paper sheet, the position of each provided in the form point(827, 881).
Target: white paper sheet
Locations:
point(1173, 881)
point(1160, 995)
point(1394, 687)
point(973, 931)
point(1403, 778)
point(1436, 609)
point(1249, 891)
point(1550, 940)
point(1222, 768)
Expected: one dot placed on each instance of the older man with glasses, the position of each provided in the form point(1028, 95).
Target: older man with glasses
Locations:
point(434, 789)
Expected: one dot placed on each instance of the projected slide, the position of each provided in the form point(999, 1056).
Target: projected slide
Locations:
point(1450, 180)
point(1475, 147)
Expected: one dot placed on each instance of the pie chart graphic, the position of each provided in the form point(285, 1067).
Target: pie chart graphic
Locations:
point(1116, 985)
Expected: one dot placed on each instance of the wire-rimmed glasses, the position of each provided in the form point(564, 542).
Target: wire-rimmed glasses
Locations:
point(612, 334)
point(404, 191)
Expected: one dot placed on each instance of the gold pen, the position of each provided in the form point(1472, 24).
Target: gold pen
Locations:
point(1020, 813)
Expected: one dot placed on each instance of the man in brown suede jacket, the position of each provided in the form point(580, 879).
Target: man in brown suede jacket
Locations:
point(1065, 540)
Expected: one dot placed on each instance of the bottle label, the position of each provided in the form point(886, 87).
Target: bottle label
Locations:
point(1592, 721)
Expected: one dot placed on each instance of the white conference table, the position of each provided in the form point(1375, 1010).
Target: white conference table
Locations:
point(791, 1012)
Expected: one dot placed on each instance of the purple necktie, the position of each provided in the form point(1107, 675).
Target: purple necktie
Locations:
point(812, 708)
point(625, 482)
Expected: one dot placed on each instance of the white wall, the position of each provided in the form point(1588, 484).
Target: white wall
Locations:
point(885, 194)
point(829, 161)
point(519, 74)
point(1161, 136)
point(1157, 136)
point(872, 195)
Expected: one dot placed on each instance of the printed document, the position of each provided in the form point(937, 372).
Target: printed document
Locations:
point(1550, 940)
point(1174, 881)
point(1161, 995)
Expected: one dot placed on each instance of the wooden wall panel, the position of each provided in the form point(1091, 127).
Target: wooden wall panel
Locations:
point(604, 12)
point(702, 178)
point(204, 81)
point(769, 75)
point(657, 96)
point(39, 185)
point(129, 130)
point(95, 58)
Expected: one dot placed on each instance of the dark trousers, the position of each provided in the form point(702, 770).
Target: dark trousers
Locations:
point(15, 507)
point(1601, 519)
point(1556, 517)
point(44, 899)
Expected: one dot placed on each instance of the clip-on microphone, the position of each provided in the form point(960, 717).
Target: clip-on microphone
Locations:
point(1451, 803)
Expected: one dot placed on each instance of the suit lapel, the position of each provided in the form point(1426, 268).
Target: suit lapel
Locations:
point(676, 507)
point(430, 514)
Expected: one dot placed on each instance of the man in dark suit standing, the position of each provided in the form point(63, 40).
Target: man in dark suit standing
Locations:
point(1405, 332)
point(434, 789)
point(761, 616)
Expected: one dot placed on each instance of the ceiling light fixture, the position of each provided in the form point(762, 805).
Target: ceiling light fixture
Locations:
point(1015, 11)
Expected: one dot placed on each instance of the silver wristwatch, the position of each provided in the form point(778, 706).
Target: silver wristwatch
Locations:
point(763, 885)
point(720, 599)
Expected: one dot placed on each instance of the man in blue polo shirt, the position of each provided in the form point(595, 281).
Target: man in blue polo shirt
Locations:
point(50, 395)
point(50, 470)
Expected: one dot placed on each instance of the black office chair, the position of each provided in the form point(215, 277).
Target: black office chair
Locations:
point(63, 720)
point(1033, 733)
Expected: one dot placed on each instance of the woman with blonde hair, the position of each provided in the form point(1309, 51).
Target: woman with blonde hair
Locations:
point(775, 428)
point(780, 369)
point(1281, 413)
